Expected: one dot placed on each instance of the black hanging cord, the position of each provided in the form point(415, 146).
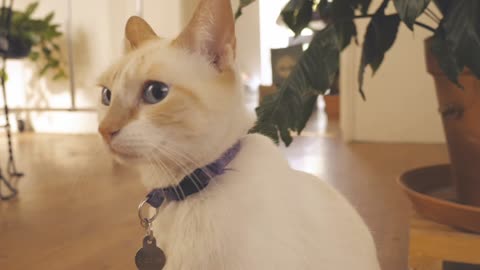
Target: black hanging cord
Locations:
point(6, 19)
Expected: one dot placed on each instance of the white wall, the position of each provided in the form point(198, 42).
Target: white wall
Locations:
point(401, 104)
point(272, 35)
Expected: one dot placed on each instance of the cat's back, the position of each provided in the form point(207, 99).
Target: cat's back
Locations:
point(302, 220)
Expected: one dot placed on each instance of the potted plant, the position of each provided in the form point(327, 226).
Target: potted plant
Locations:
point(35, 38)
point(452, 54)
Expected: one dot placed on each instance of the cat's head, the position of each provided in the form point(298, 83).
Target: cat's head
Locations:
point(175, 105)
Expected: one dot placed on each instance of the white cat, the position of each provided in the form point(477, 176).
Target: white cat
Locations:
point(170, 107)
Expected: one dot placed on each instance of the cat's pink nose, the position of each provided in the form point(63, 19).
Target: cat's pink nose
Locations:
point(107, 133)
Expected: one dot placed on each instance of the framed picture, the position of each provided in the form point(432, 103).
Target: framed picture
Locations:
point(283, 62)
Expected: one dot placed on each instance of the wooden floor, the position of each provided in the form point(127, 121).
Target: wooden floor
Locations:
point(76, 211)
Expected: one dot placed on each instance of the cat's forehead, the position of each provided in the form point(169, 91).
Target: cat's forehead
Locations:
point(160, 60)
point(133, 63)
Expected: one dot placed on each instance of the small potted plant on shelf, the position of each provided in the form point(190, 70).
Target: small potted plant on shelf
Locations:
point(452, 57)
point(35, 38)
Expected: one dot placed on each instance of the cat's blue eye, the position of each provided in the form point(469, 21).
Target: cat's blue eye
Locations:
point(106, 96)
point(154, 92)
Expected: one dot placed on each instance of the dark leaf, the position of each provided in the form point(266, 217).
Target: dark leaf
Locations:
point(338, 12)
point(242, 4)
point(364, 5)
point(443, 5)
point(381, 33)
point(462, 32)
point(342, 9)
point(319, 63)
point(331, 11)
point(410, 10)
point(345, 32)
point(446, 57)
point(291, 106)
point(297, 14)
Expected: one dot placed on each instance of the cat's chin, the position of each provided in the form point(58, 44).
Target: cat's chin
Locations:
point(129, 159)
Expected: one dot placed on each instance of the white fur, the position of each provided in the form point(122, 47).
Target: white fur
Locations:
point(261, 214)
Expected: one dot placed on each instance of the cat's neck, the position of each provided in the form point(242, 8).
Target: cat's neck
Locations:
point(157, 175)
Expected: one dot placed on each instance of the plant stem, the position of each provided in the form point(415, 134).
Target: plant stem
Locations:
point(433, 14)
point(424, 26)
point(433, 18)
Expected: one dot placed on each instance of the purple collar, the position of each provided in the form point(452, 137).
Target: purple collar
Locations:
point(195, 182)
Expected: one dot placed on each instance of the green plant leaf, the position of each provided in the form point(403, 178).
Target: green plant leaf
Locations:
point(49, 17)
point(3, 75)
point(410, 10)
point(462, 31)
point(46, 51)
point(54, 63)
point(297, 14)
point(241, 5)
point(44, 69)
point(291, 106)
point(34, 56)
point(41, 35)
point(446, 58)
point(60, 75)
point(56, 47)
point(30, 9)
point(379, 38)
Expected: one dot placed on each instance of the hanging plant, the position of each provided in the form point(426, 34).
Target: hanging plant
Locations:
point(36, 39)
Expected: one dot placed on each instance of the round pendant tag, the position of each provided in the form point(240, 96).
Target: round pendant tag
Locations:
point(150, 257)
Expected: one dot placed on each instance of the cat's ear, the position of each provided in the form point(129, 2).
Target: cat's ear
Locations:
point(211, 32)
point(137, 31)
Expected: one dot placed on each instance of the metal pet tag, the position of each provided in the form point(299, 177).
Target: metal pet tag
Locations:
point(150, 257)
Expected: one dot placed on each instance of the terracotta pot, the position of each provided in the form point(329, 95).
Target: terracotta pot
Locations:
point(332, 106)
point(460, 111)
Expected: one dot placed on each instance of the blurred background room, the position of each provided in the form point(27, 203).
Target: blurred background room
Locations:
point(76, 208)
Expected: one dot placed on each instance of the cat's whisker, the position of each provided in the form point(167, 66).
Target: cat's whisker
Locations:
point(194, 162)
point(180, 165)
point(168, 172)
point(156, 166)
point(188, 171)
